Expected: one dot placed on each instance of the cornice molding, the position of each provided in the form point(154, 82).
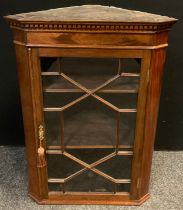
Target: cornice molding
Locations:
point(91, 27)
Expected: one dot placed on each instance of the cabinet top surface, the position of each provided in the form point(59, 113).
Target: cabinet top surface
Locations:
point(91, 13)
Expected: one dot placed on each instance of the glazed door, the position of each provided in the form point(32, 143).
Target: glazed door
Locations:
point(93, 116)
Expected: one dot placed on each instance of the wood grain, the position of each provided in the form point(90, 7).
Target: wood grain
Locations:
point(99, 32)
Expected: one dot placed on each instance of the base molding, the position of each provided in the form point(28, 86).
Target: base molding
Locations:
point(88, 200)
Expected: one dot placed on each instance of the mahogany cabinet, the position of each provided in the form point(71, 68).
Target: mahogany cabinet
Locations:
point(90, 81)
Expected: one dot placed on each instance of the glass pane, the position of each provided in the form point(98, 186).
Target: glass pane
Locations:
point(61, 167)
point(89, 123)
point(55, 187)
point(89, 182)
point(49, 64)
point(90, 155)
point(76, 66)
point(127, 128)
point(89, 72)
point(53, 128)
point(121, 84)
point(119, 167)
point(59, 99)
point(123, 188)
point(55, 83)
point(121, 101)
point(131, 65)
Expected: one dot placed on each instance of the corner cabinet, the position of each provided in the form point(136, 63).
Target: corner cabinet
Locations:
point(90, 81)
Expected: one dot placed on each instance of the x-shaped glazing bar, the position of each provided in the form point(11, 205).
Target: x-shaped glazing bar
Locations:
point(89, 93)
point(88, 167)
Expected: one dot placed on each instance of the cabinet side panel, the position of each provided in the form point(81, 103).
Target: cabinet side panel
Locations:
point(28, 118)
point(152, 107)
